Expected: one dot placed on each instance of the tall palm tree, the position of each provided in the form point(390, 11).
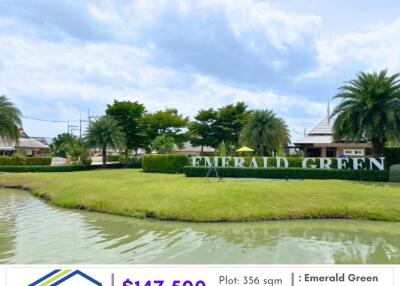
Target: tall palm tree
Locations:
point(10, 120)
point(370, 110)
point(264, 131)
point(105, 132)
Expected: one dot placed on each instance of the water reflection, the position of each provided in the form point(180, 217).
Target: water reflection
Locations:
point(31, 231)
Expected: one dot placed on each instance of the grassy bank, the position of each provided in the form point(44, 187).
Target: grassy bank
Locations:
point(175, 197)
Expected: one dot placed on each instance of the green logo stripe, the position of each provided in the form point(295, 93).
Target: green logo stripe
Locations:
point(55, 278)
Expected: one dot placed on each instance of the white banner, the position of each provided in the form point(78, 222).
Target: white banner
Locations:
point(198, 275)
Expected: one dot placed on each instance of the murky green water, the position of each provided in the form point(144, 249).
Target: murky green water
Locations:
point(32, 231)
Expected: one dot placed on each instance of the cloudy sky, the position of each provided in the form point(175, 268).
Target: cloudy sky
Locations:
point(60, 58)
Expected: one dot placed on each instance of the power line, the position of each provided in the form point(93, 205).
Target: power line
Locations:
point(49, 120)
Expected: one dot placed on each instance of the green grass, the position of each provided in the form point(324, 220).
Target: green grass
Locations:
point(175, 197)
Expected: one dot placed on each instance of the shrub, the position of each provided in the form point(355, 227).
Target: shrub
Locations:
point(392, 155)
point(164, 163)
point(132, 163)
point(24, 161)
point(113, 158)
point(39, 169)
point(45, 161)
point(291, 173)
point(86, 161)
point(394, 173)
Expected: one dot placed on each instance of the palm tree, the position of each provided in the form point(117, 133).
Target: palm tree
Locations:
point(264, 131)
point(369, 111)
point(10, 120)
point(105, 132)
point(163, 144)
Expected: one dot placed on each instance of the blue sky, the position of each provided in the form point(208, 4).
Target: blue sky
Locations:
point(60, 58)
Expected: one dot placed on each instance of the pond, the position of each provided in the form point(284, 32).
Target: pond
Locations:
point(32, 231)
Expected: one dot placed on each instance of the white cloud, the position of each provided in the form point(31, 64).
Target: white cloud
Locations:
point(376, 48)
point(282, 28)
point(70, 78)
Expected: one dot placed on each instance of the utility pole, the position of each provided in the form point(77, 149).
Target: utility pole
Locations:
point(72, 128)
point(80, 125)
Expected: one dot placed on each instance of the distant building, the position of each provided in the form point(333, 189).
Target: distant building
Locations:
point(26, 146)
point(319, 143)
point(190, 150)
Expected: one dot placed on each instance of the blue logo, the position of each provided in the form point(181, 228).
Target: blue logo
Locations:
point(58, 277)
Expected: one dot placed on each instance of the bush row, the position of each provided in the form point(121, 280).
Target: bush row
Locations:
point(291, 173)
point(114, 158)
point(294, 162)
point(164, 163)
point(132, 163)
point(40, 169)
point(24, 161)
point(175, 163)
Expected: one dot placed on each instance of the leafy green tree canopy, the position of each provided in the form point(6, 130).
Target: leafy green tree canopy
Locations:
point(166, 122)
point(10, 120)
point(229, 123)
point(60, 144)
point(265, 132)
point(202, 130)
point(105, 133)
point(163, 144)
point(369, 110)
point(130, 117)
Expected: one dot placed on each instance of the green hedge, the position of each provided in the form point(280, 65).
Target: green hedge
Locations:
point(132, 163)
point(394, 174)
point(24, 161)
point(114, 158)
point(164, 163)
point(40, 169)
point(291, 173)
point(294, 162)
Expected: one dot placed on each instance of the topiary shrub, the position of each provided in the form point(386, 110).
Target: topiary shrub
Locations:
point(394, 173)
point(291, 173)
point(169, 163)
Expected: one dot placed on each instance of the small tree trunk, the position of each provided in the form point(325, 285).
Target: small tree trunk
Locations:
point(378, 147)
point(126, 153)
point(104, 151)
point(260, 149)
point(202, 150)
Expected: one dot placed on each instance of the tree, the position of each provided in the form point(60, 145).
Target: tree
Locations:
point(202, 129)
point(60, 143)
point(229, 122)
point(265, 132)
point(105, 132)
point(163, 144)
point(77, 148)
point(167, 122)
point(130, 117)
point(10, 120)
point(369, 111)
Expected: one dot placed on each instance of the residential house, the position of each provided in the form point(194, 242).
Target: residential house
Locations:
point(26, 146)
point(319, 143)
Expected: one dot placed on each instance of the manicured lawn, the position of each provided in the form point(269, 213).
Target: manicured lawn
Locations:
point(175, 197)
